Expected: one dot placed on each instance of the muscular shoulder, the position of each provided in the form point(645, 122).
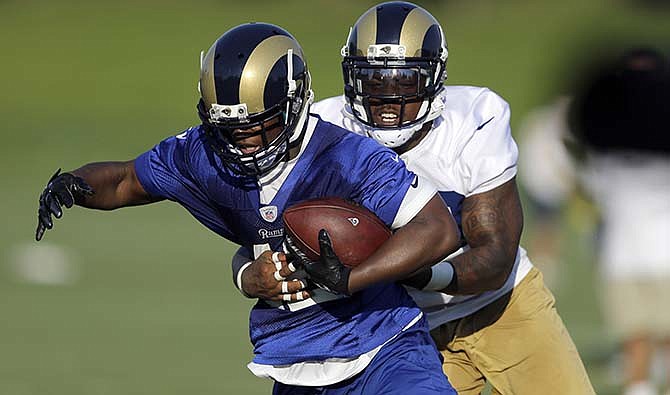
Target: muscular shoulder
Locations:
point(173, 163)
point(467, 108)
point(467, 111)
point(187, 154)
point(189, 139)
point(470, 144)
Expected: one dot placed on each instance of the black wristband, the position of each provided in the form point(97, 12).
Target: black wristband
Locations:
point(418, 279)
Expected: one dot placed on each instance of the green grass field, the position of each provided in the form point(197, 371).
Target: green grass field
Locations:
point(152, 309)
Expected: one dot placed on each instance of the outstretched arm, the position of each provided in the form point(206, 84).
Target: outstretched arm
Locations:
point(115, 185)
point(103, 185)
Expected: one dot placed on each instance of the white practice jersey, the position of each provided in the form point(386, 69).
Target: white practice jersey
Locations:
point(632, 191)
point(470, 150)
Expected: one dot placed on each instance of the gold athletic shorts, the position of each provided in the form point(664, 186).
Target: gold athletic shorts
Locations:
point(517, 343)
point(638, 307)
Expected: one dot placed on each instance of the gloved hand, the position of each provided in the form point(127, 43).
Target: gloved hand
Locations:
point(293, 253)
point(61, 190)
point(328, 272)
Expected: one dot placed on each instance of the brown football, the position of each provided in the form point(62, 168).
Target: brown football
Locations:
point(355, 231)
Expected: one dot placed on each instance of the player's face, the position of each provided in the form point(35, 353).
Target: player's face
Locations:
point(252, 139)
point(387, 89)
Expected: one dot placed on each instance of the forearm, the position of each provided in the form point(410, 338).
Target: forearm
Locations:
point(115, 185)
point(480, 269)
point(422, 242)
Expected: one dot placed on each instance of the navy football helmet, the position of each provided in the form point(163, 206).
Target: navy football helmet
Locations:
point(395, 54)
point(254, 82)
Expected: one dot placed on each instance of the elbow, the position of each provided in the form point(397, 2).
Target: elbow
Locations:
point(501, 271)
point(452, 235)
point(453, 240)
point(498, 279)
point(450, 239)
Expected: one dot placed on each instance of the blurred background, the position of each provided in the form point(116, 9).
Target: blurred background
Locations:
point(141, 301)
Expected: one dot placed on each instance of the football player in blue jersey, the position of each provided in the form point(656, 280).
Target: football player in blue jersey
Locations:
point(256, 152)
point(490, 313)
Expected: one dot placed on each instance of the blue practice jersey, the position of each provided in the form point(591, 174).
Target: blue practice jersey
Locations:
point(332, 162)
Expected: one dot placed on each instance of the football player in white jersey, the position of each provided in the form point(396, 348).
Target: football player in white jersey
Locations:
point(490, 313)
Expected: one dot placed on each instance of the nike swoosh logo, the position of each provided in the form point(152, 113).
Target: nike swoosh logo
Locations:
point(415, 183)
point(484, 124)
point(396, 158)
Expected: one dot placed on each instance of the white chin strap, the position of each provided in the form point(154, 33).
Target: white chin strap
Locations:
point(302, 117)
point(396, 137)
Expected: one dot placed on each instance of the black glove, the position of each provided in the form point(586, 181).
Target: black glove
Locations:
point(328, 272)
point(62, 190)
point(294, 254)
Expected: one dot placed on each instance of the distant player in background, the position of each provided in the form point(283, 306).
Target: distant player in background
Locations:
point(608, 141)
point(257, 152)
point(491, 314)
point(612, 133)
point(620, 119)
